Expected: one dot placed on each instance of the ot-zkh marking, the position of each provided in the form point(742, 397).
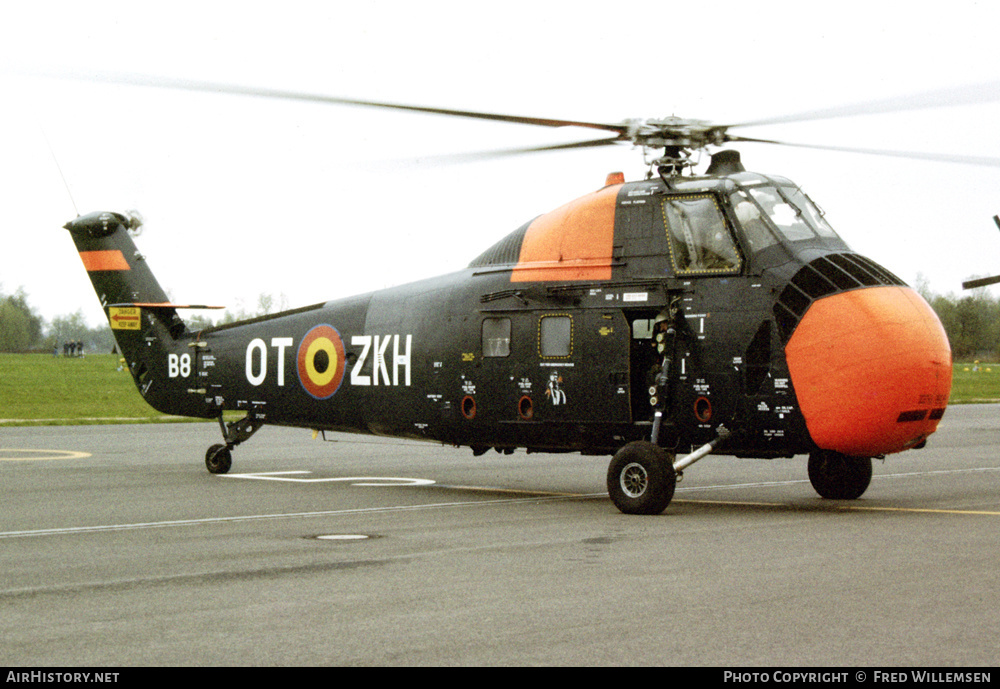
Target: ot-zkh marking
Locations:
point(656, 321)
point(321, 359)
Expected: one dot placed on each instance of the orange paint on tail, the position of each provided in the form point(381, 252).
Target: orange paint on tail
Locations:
point(104, 260)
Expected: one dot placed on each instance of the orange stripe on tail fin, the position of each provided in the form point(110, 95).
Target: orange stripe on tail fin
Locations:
point(104, 260)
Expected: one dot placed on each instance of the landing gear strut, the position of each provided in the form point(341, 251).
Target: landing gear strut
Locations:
point(837, 476)
point(219, 458)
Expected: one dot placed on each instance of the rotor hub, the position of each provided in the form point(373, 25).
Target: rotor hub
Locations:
point(675, 131)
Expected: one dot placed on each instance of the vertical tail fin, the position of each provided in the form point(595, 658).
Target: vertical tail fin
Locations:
point(146, 327)
point(117, 270)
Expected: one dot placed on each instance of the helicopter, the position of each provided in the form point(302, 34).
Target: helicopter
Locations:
point(654, 321)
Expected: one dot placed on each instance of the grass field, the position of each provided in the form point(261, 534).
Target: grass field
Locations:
point(38, 389)
point(969, 385)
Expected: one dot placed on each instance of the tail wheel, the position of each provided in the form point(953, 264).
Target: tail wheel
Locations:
point(838, 477)
point(218, 459)
point(641, 478)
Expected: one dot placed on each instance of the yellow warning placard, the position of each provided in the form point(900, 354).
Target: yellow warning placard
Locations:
point(125, 317)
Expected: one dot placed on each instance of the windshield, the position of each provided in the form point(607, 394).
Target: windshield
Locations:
point(790, 212)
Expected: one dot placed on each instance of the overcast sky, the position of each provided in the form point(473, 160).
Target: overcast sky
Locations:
point(243, 195)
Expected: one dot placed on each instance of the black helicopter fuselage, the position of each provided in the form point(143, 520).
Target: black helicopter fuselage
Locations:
point(723, 303)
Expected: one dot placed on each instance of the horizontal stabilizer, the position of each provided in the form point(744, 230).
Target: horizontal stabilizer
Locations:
point(165, 305)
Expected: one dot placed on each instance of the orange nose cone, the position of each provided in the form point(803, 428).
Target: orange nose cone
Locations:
point(871, 370)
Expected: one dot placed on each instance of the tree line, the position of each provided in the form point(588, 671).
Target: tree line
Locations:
point(23, 330)
point(971, 320)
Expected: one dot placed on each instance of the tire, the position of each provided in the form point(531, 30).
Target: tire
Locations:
point(218, 459)
point(838, 477)
point(641, 478)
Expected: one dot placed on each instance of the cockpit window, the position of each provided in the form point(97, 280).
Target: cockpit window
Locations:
point(791, 212)
point(814, 215)
point(751, 219)
point(699, 240)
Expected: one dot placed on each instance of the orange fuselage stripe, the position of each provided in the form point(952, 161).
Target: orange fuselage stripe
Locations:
point(104, 260)
point(573, 242)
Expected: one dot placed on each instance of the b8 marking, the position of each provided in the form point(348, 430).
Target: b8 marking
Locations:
point(178, 365)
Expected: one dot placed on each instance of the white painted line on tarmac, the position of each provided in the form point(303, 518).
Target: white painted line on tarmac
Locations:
point(10, 454)
point(528, 499)
point(373, 481)
point(73, 530)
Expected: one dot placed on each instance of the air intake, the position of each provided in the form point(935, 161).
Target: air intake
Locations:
point(822, 277)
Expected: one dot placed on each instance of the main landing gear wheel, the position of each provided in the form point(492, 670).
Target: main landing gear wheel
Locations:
point(218, 459)
point(839, 477)
point(641, 478)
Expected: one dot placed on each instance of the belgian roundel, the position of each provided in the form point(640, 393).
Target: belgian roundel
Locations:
point(321, 362)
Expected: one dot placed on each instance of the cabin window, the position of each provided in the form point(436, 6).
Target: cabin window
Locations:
point(555, 336)
point(496, 337)
point(642, 328)
point(699, 240)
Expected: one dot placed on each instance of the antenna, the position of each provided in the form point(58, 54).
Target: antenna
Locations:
point(59, 168)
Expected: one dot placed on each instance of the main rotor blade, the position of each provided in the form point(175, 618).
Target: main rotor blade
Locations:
point(985, 161)
point(981, 282)
point(505, 152)
point(281, 94)
point(960, 95)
